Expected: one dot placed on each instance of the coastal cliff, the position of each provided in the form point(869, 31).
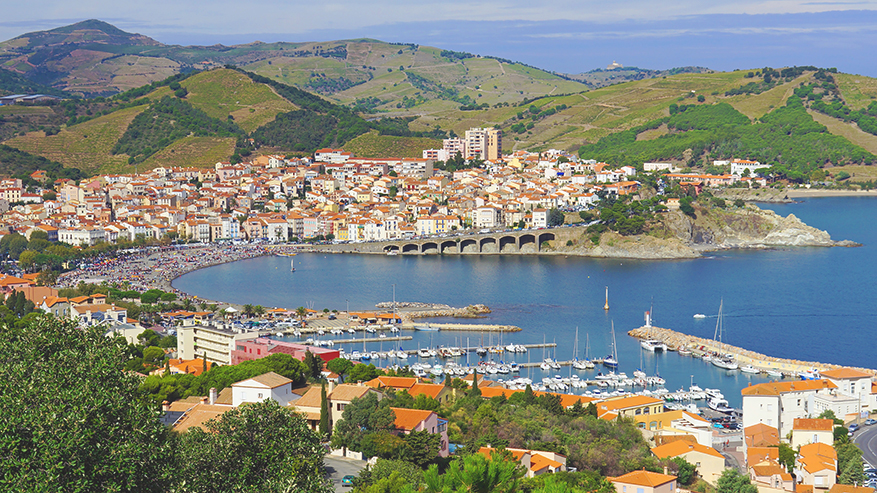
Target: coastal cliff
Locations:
point(675, 235)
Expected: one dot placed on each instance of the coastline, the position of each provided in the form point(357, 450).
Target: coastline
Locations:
point(679, 340)
point(800, 193)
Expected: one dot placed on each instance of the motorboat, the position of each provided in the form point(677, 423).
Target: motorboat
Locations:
point(812, 374)
point(720, 405)
point(653, 345)
point(699, 315)
point(749, 369)
point(774, 373)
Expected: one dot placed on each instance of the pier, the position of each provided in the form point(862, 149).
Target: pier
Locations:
point(699, 346)
point(371, 339)
point(461, 327)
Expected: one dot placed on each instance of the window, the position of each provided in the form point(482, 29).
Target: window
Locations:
point(624, 488)
point(259, 395)
point(641, 490)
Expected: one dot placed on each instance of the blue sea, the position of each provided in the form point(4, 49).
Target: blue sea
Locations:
point(812, 304)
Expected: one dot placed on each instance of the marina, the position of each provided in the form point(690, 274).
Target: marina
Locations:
point(770, 300)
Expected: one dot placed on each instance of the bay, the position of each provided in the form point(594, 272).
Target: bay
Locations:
point(813, 304)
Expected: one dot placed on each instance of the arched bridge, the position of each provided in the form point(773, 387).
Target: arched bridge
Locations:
point(479, 244)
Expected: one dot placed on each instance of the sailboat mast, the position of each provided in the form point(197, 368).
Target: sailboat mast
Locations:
point(717, 336)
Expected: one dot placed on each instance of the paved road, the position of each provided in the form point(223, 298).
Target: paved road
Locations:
point(866, 440)
point(337, 468)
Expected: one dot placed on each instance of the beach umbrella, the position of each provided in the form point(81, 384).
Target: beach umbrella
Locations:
point(231, 309)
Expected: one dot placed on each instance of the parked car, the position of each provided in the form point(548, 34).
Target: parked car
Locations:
point(347, 480)
point(870, 421)
point(853, 427)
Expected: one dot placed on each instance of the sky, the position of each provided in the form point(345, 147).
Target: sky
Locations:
point(569, 36)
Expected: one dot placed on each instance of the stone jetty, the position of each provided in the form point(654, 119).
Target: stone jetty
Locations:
point(678, 340)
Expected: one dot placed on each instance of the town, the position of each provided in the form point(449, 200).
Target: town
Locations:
point(336, 196)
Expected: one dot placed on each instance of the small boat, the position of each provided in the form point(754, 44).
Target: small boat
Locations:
point(611, 361)
point(749, 369)
point(774, 373)
point(393, 252)
point(699, 315)
point(812, 374)
point(726, 362)
point(653, 345)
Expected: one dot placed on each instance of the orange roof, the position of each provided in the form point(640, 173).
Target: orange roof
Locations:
point(198, 415)
point(644, 478)
point(539, 462)
point(394, 382)
point(761, 454)
point(679, 447)
point(628, 403)
point(813, 424)
point(777, 388)
point(771, 469)
point(841, 373)
point(759, 435)
point(190, 366)
point(408, 419)
point(431, 389)
point(845, 488)
point(516, 452)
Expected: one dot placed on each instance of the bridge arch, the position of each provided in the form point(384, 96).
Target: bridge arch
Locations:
point(527, 243)
point(508, 244)
point(429, 248)
point(469, 246)
point(391, 248)
point(410, 248)
point(488, 245)
point(545, 237)
point(448, 246)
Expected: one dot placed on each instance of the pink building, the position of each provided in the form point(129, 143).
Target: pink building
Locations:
point(408, 420)
point(262, 347)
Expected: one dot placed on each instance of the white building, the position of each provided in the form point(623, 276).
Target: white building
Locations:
point(777, 404)
point(488, 217)
point(854, 383)
point(213, 342)
point(266, 386)
point(739, 166)
point(84, 235)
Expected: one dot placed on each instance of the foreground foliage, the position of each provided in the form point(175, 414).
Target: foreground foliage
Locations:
point(74, 420)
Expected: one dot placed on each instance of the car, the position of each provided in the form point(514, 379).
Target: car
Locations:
point(853, 427)
point(870, 421)
point(347, 480)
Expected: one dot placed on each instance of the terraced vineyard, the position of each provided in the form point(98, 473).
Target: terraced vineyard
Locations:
point(224, 92)
point(374, 145)
point(86, 146)
point(192, 151)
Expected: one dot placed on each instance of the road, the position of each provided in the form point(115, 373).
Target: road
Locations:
point(866, 440)
point(337, 468)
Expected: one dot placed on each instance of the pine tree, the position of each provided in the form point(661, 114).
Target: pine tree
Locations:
point(204, 364)
point(325, 430)
point(475, 392)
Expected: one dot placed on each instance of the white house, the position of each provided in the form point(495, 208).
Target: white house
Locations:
point(777, 404)
point(266, 386)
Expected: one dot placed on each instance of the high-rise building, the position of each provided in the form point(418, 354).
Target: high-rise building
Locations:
point(484, 143)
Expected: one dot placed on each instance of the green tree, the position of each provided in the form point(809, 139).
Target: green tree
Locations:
point(555, 217)
point(423, 447)
point(787, 456)
point(340, 366)
point(476, 474)
point(363, 416)
point(314, 364)
point(325, 429)
point(363, 373)
point(849, 463)
point(73, 420)
point(685, 472)
point(731, 481)
point(258, 447)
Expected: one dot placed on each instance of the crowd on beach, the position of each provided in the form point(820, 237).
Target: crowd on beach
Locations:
point(156, 268)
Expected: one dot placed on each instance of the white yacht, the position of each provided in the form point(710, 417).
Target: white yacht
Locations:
point(653, 345)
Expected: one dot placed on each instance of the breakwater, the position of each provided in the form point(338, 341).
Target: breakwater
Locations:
point(678, 340)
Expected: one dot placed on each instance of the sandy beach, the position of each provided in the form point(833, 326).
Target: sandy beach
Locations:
point(800, 193)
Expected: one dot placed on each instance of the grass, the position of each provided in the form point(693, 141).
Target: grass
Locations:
point(858, 91)
point(374, 145)
point(224, 92)
point(85, 146)
point(16, 109)
point(857, 172)
point(193, 151)
point(756, 106)
point(849, 131)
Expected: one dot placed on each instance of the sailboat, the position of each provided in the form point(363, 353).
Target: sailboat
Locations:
point(726, 362)
point(611, 361)
point(292, 265)
point(576, 363)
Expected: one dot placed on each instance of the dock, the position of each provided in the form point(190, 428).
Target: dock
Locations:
point(462, 327)
point(371, 339)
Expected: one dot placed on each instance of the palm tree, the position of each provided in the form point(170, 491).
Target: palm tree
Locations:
point(302, 313)
point(259, 310)
point(248, 310)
